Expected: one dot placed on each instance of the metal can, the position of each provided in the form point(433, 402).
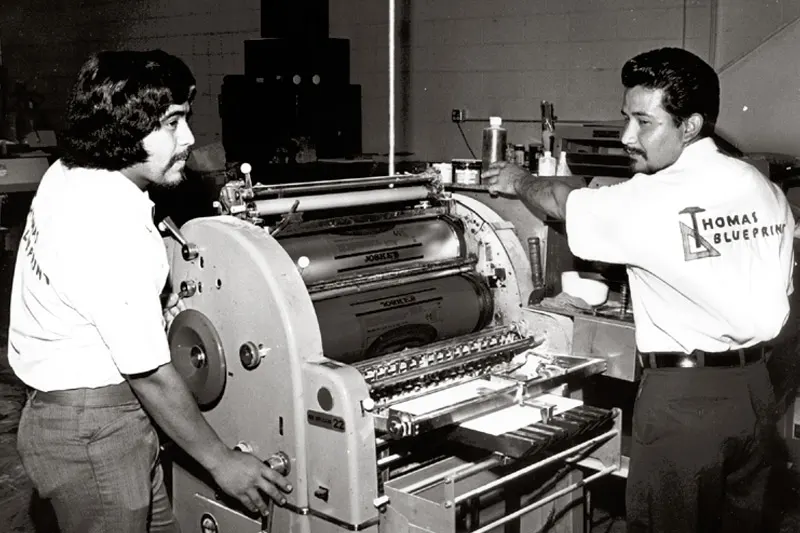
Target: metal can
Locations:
point(519, 154)
point(467, 171)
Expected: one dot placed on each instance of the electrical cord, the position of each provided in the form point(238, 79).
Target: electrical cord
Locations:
point(465, 140)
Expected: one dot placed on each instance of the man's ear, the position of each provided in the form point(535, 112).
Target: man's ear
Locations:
point(692, 127)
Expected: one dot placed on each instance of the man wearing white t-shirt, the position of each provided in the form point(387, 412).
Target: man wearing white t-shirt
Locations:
point(707, 241)
point(86, 328)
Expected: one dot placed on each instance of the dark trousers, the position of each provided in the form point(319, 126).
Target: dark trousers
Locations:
point(784, 361)
point(702, 450)
point(93, 453)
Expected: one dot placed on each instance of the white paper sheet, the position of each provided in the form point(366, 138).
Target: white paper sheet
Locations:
point(518, 416)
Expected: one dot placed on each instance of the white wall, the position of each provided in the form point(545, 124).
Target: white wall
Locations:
point(745, 24)
point(491, 57)
point(502, 57)
point(761, 96)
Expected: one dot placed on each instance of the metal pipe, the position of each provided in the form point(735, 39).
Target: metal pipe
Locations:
point(454, 472)
point(532, 506)
point(528, 469)
point(391, 282)
point(383, 462)
point(277, 206)
point(539, 121)
point(260, 191)
point(391, 84)
point(495, 460)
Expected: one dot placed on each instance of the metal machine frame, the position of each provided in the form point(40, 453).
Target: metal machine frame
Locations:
point(359, 454)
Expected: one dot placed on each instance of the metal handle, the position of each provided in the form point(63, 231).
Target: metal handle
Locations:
point(535, 257)
point(189, 251)
point(279, 462)
point(535, 254)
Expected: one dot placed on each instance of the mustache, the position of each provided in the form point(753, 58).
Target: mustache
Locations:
point(634, 151)
point(183, 156)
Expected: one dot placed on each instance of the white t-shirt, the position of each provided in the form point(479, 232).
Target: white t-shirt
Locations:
point(85, 302)
point(708, 245)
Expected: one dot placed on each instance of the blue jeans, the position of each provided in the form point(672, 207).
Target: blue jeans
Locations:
point(93, 453)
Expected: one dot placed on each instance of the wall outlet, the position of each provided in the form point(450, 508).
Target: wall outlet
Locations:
point(459, 115)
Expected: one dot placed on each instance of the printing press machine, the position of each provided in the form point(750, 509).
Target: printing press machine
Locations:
point(370, 339)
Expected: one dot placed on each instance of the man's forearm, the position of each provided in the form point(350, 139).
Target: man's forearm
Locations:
point(545, 196)
point(166, 398)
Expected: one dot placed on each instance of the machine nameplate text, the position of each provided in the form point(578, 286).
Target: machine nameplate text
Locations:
point(324, 420)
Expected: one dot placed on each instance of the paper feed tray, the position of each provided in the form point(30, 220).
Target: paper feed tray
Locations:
point(484, 394)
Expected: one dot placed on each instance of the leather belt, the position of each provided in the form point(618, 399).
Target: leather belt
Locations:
point(699, 358)
point(109, 396)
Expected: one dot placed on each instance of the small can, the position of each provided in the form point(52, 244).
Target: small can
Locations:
point(534, 151)
point(467, 171)
point(445, 171)
point(519, 154)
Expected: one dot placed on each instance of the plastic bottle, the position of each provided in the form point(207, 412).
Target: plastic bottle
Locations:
point(547, 164)
point(494, 143)
point(562, 169)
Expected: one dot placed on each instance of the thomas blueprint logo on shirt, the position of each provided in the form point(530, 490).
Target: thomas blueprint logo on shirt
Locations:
point(702, 234)
point(29, 239)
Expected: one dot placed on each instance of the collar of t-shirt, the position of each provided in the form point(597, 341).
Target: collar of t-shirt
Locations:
point(115, 191)
point(693, 154)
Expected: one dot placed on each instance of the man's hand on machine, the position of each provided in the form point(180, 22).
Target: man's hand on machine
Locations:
point(173, 304)
point(246, 478)
point(502, 178)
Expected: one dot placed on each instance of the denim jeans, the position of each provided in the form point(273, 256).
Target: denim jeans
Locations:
point(96, 461)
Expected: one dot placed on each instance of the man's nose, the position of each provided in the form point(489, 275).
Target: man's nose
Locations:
point(186, 137)
point(629, 134)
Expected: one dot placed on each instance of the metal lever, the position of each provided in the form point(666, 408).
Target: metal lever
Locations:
point(287, 218)
point(189, 250)
point(246, 169)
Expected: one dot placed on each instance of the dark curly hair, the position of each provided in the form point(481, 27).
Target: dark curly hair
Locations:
point(690, 85)
point(118, 99)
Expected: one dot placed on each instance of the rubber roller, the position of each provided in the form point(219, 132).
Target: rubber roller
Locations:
point(325, 256)
point(368, 324)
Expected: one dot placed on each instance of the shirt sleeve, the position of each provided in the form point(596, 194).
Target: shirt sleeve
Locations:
point(791, 244)
point(117, 291)
point(602, 222)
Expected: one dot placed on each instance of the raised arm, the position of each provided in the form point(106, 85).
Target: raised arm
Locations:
point(544, 197)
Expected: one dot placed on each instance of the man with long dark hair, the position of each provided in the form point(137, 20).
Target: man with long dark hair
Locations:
point(707, 241)
point(86, 327)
